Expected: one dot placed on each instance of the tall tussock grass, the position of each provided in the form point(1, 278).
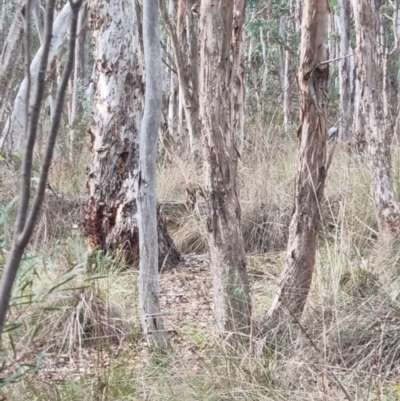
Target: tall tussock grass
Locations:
point(74, 326)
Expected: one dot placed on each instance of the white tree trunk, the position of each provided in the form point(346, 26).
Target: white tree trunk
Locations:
point(15, 126)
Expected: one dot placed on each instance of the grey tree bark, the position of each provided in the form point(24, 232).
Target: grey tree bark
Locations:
point(387, 208)
point(77, 79)
point(152, 322)
point(222, 116)
point(38, 17)
point(342, 23)
point(265, 60)
point(312, 168)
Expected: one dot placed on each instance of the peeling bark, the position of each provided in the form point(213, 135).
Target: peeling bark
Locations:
point(312, 167)
point(221, 112)
point(387, 208)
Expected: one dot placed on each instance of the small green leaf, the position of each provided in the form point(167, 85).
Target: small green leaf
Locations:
point(95, 278)
point(12, 327)
point(11, 379)
point(82, 287)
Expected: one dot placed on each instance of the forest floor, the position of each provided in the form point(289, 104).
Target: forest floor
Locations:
point(75, 330)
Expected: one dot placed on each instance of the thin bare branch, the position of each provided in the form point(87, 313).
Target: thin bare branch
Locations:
point(33, 123)
point(22, 236)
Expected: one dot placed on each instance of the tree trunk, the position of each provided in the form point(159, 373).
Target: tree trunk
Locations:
point(296, 278)
point(384, 60)
point(15, 126)
point(8, 60)
point(366, 17)
point(38, 17)
point(265, 60)
point(358, 119)
point(286, 93)
point(149, 302)
point(397, 122)
point(222, 116)
point(173, 140)
point(4, 9)
point(111, 218)
point(78, 78)
point(342, 23)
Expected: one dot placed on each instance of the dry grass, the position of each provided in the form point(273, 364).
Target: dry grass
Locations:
point(79, 322)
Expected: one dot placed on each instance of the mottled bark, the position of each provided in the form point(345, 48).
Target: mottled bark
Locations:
point(221, 112)
point(111, 218)
point(366, 17)
point(313, 74)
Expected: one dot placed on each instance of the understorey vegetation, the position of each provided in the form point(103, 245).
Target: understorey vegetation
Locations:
point(199, 230)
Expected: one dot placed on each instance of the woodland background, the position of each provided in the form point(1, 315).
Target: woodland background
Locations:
point(74, 329)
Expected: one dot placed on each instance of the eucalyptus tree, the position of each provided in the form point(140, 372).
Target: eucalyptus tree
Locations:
point(222, 116)
point(345, 73)
point(312, 166)
point(152, 322)
point(111, 221)
point(387, 208)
